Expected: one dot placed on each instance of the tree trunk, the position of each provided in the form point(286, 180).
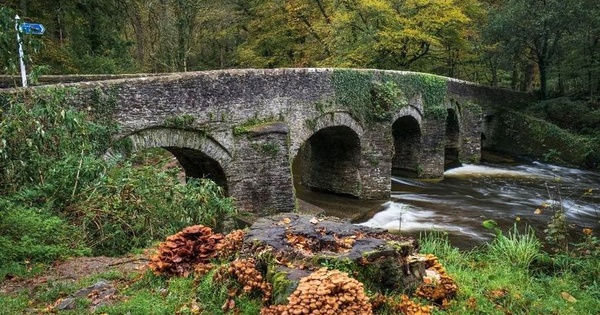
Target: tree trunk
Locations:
point(528, 78)
point(561, 84)
point(514, 80)
point(543, 78)
point(23, 7)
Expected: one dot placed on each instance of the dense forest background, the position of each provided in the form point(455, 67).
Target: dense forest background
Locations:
point(548, 46)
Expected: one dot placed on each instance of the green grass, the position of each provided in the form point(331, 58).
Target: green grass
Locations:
point(517, 248)
point(502, 277)
point(529, 282)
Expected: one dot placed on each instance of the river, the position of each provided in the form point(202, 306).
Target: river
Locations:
point(509, 194)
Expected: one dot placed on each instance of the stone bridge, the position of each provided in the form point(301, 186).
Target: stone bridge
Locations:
point(347, 130)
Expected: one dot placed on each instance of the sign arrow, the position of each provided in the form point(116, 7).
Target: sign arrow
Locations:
point(32, 28)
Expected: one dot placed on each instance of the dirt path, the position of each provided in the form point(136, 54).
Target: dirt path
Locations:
point(73, 270)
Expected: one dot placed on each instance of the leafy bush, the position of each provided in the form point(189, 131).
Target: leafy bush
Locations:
point(134, 205)
point(577, 116)
point(35, 235)
point(525, 134)
point(47, 147)
point(53, 183)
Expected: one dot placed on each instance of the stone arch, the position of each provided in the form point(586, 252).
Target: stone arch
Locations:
point(452, 138)
point(330, 159)
point(484, 141)
point(411, 111)
point(331, 119)
point(199, 155)
point(407, 135)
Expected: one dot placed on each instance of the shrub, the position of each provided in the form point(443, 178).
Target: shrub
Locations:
point(133, 206)
point(52, 179)
point(48, 147)
point(35, 235)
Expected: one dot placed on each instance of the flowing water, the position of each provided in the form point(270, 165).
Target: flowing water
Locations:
point(470, 194)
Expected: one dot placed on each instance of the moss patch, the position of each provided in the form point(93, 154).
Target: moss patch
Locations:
point(182, 121)
point(537, 137)
point(252, 124)
point(371, 98)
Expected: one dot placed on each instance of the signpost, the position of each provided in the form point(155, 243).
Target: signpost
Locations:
point(26, 28)
point(32, 28)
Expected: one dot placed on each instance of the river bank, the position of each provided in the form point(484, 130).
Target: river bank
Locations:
point(509, 275)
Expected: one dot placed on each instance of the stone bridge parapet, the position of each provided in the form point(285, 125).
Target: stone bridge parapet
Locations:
point(351, 129)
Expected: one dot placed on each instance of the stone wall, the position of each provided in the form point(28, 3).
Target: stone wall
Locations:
point(260, 178)
point(489, 98)
point(471, 126)
point(376, 161)
point(12, 81)
point(431, 156)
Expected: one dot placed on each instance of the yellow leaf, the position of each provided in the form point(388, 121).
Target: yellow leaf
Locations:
point(568, 297)
point(538, 211)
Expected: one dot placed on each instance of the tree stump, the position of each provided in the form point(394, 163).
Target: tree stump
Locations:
point(292, 245)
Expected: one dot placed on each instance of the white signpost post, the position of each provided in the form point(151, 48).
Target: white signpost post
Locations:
point(27, 28)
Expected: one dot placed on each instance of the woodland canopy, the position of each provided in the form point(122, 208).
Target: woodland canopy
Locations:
point(548, 46)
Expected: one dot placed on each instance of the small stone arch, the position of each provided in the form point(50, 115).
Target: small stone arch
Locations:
point(408, 137)
point(331, 119)
point(414, 109)
point(329, 159)
point(452, 138)
point(200, 156)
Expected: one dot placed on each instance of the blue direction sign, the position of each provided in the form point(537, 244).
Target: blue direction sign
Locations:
point(32, 28)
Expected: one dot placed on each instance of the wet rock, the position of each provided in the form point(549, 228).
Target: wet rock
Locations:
point(99, 294)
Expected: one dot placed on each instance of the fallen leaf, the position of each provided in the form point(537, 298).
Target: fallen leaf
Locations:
point(498, 294)
point(472, 303)
point(538, 211)
point(284, 221)
point(568, 297)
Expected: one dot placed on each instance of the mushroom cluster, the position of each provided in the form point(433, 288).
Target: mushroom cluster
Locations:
point(404, 306)
point(246, 274)
point(409, 307)
point(438, 292)
point(230, 245)
point(325, 292)
point(437, 286)
point(432, 263)
point(181, 252)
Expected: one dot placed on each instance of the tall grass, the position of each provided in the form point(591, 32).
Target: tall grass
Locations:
point(517, 248)
point(133, 206)
point(437, 243)
point(505, 277)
